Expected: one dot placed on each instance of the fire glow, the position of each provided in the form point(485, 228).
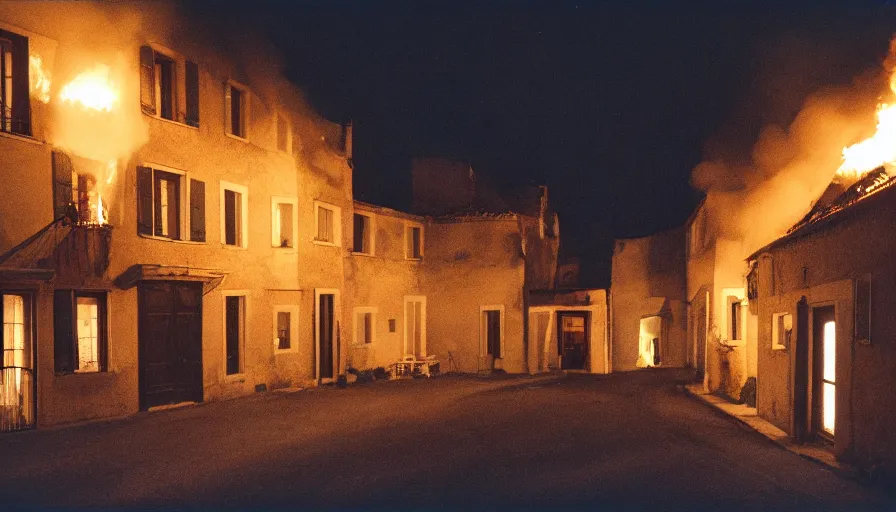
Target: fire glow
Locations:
point(877, 150)
point(92, 90)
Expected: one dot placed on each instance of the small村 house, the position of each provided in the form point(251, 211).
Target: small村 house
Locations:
point(825, 358)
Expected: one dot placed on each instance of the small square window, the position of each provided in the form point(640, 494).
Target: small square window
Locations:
point(363, 234)
point(782, 330)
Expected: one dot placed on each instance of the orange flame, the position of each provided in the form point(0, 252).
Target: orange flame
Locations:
point(92, 90)
point(877, 150)
point(40, 79)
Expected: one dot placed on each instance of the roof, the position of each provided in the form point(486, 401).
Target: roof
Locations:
point(825, 212)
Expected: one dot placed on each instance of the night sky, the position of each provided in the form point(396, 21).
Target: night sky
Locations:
point(610, 104)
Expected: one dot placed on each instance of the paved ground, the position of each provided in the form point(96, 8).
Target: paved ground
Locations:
point(626, 441)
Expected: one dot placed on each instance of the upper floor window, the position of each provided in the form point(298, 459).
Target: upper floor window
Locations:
point(284, 223)
point(234, 214)
point(80, 331)
point(236, 102)
point(327, 223)
point(363, 233)
point(413, 241)
point(165, 208)
point(15, 106)
point(169, 87)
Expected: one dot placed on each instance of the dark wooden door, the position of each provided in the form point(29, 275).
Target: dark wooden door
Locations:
point(573, 333)
point(325, 335)
point(170, 343)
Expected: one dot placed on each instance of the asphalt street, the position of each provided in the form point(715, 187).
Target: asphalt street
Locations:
point(628, 441)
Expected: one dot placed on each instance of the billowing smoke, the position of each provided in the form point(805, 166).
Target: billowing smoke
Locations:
point(755, 198)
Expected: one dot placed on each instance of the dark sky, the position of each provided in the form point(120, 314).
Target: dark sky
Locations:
point(610, 104)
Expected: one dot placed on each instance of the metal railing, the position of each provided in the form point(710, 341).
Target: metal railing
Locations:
point(16, 398)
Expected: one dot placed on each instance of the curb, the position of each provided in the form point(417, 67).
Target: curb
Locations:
point(839, 468)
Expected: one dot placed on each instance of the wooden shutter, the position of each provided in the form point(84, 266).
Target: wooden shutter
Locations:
point(21, 102)
point(192, 92)
point(147, 80)
point(63, 332)
point(62, 184)
point(144, 201)
point(197, 211)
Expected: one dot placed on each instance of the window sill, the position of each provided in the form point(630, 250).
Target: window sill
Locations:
point(171, 121)
point(732, 343)
point(779, 349)
point(235, 377)
point(234, 247)
point(69, 374)
point(367, 254)
point(280, 352)
point(363, 345)
point(237, 137)
point(23, 138)
point(173, 240)
point(413, 259)
point(324, 243)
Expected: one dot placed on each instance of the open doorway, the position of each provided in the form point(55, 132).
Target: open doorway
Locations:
point(650, 339)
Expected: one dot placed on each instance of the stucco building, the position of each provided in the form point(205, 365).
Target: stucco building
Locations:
point(825, 364)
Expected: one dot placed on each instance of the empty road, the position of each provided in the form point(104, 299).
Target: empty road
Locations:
point(625, 441)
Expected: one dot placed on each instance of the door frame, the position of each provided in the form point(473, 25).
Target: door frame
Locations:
point(33, 295)
point(404, 314)
point(483, 330)
point(141, 346)
point(821, 313)
point(337, 308)
point(586, 315)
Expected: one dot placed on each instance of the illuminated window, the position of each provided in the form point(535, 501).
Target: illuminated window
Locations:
point(80, 331)
point(782, 330)
point(829, 366)
point(16, 334)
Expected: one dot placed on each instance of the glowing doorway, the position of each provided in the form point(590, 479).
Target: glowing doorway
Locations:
point(649, 339)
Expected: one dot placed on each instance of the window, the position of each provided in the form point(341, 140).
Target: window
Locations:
point(15, 338)
point(169, 86)
point(284, 221)
point(80, 331)
point(15, 106)
point(284, 134)
point(735, 320)
point(237, 111)
point(413, 241)
point(163, 208)
point(235, 332)
point(363, 234)
point(286, 320)
point(782, 330)
point(492, 330)
point(327, 224)
point(75, 191)
point(365, 325)
point(234, 215)
point(392, 325)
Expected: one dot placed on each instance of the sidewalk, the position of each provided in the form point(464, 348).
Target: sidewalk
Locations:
point(749, 417)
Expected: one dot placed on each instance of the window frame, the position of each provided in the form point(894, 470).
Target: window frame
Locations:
point(483, 330)
point(244, 330)
point(184, 204)
point(244, 214)
point(18, 41)
point(276, 201)
point(179, 95)
point(408, 225)
point(293, 310)
point(371, 231)
point(358, 313)
point(337, 224)
point(245, 109)
point(103, 329)
point(777, 343)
